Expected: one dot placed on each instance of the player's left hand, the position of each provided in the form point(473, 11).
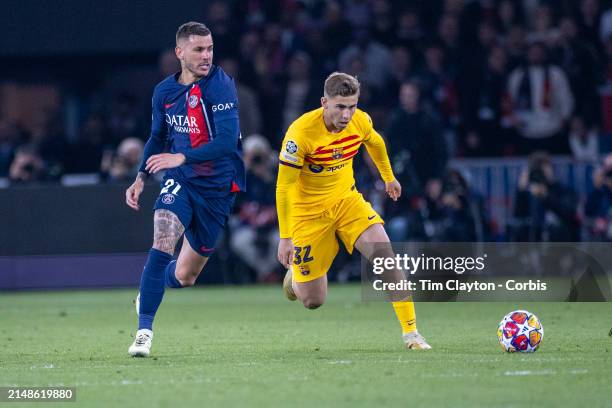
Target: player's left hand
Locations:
point(393, 189)
point(163, 161)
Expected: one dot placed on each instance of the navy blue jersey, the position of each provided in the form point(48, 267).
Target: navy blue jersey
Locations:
point(199, 120)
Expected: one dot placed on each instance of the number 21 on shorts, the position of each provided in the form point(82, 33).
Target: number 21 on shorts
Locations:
point(168, 185)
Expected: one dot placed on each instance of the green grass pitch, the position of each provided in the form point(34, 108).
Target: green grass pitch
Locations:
point(248, 346)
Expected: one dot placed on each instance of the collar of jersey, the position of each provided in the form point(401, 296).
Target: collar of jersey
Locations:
point(213, 70)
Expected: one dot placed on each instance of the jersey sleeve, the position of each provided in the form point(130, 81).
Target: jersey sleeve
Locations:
point(375, 144)
point(223, 99)
point(293, 150)
point(159, 130)
point(291, 159)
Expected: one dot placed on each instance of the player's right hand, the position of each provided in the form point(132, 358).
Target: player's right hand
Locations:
point(285, 252)
point(133, 193)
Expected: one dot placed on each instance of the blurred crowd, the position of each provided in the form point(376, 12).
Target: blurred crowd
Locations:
point(441, 79)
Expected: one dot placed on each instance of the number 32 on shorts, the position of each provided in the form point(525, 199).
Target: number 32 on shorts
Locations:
point(302, 254)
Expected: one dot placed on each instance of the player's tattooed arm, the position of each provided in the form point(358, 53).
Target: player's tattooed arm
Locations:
point(167, 229)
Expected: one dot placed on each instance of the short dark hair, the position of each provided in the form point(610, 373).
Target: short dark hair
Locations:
point(191, 28)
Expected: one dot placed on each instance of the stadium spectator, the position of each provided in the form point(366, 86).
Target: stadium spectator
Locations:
point(357, 13)
point(222, 23)
point(543, 29)
point(418, 152)
point(438, 87)
point(123, 165)
point(448, 35)
point(589, 17)
point(254, 238)
point(581, 63)
point(122, 120)
point(300, 93)
point(598, 206)
point(509, 14)
point(250, 112)
point(402, 69)
point(605, 28)
point(49, 142)
point(542, 102)
point(10, 138)
point(483, 95)
point(376, 59)
point(268, 65)
point(606, 98)
point(514, 44)
point(454, 213)
point(382, 22)
point(584, 141)
point(167, 63)
point(473, 15)
point(85, 154)
point(409, 32)
point(325, 45)
point(27, 166)
point(249, 46)
point(544, 209)
point(415, 140)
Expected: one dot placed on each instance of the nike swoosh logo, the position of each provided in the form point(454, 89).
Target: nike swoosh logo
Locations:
point(371, 217)
point(169, 105)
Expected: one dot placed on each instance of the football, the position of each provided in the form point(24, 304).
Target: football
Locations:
point(520, 331)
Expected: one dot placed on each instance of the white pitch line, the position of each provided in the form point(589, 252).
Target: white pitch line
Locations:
point(529, 372)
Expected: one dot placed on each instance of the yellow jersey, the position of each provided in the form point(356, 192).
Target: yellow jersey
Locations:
point(316, 165)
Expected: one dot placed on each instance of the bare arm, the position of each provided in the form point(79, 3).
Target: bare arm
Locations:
point(133, 192)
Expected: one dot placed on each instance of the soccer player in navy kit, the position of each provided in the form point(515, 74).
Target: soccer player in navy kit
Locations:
point(195, 116)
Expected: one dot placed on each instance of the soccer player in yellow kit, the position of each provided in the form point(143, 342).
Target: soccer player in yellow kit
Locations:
point(316, 197)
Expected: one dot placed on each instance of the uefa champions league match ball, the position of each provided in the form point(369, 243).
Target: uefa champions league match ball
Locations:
point(520, 331)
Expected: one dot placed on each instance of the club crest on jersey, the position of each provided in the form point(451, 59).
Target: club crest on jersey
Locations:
point(168, 199)
point(193, 101)
point(291, 147)
point(337, 153)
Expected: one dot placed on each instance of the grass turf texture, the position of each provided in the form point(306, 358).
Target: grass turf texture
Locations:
point(248, 346)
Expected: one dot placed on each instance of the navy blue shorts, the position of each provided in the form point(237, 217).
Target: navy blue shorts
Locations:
point(204, 218)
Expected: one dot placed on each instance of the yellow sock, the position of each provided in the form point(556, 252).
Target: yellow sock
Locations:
point(406, 315)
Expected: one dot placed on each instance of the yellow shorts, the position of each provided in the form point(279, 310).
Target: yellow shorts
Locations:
point(314, 239)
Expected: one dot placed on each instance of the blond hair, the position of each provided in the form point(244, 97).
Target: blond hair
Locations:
point(340, 84)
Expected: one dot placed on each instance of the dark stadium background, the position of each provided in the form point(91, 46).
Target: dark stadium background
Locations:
point(76, 82)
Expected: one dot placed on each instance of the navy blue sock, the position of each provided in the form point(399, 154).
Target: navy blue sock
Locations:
point(152, 287)
point(171, 281)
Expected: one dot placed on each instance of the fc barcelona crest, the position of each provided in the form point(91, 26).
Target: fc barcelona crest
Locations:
point(193, 101)
point(337, 153)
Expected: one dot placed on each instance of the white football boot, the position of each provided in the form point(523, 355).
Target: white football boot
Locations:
point(414, 341)
point(287, 285)
point(142, 344)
